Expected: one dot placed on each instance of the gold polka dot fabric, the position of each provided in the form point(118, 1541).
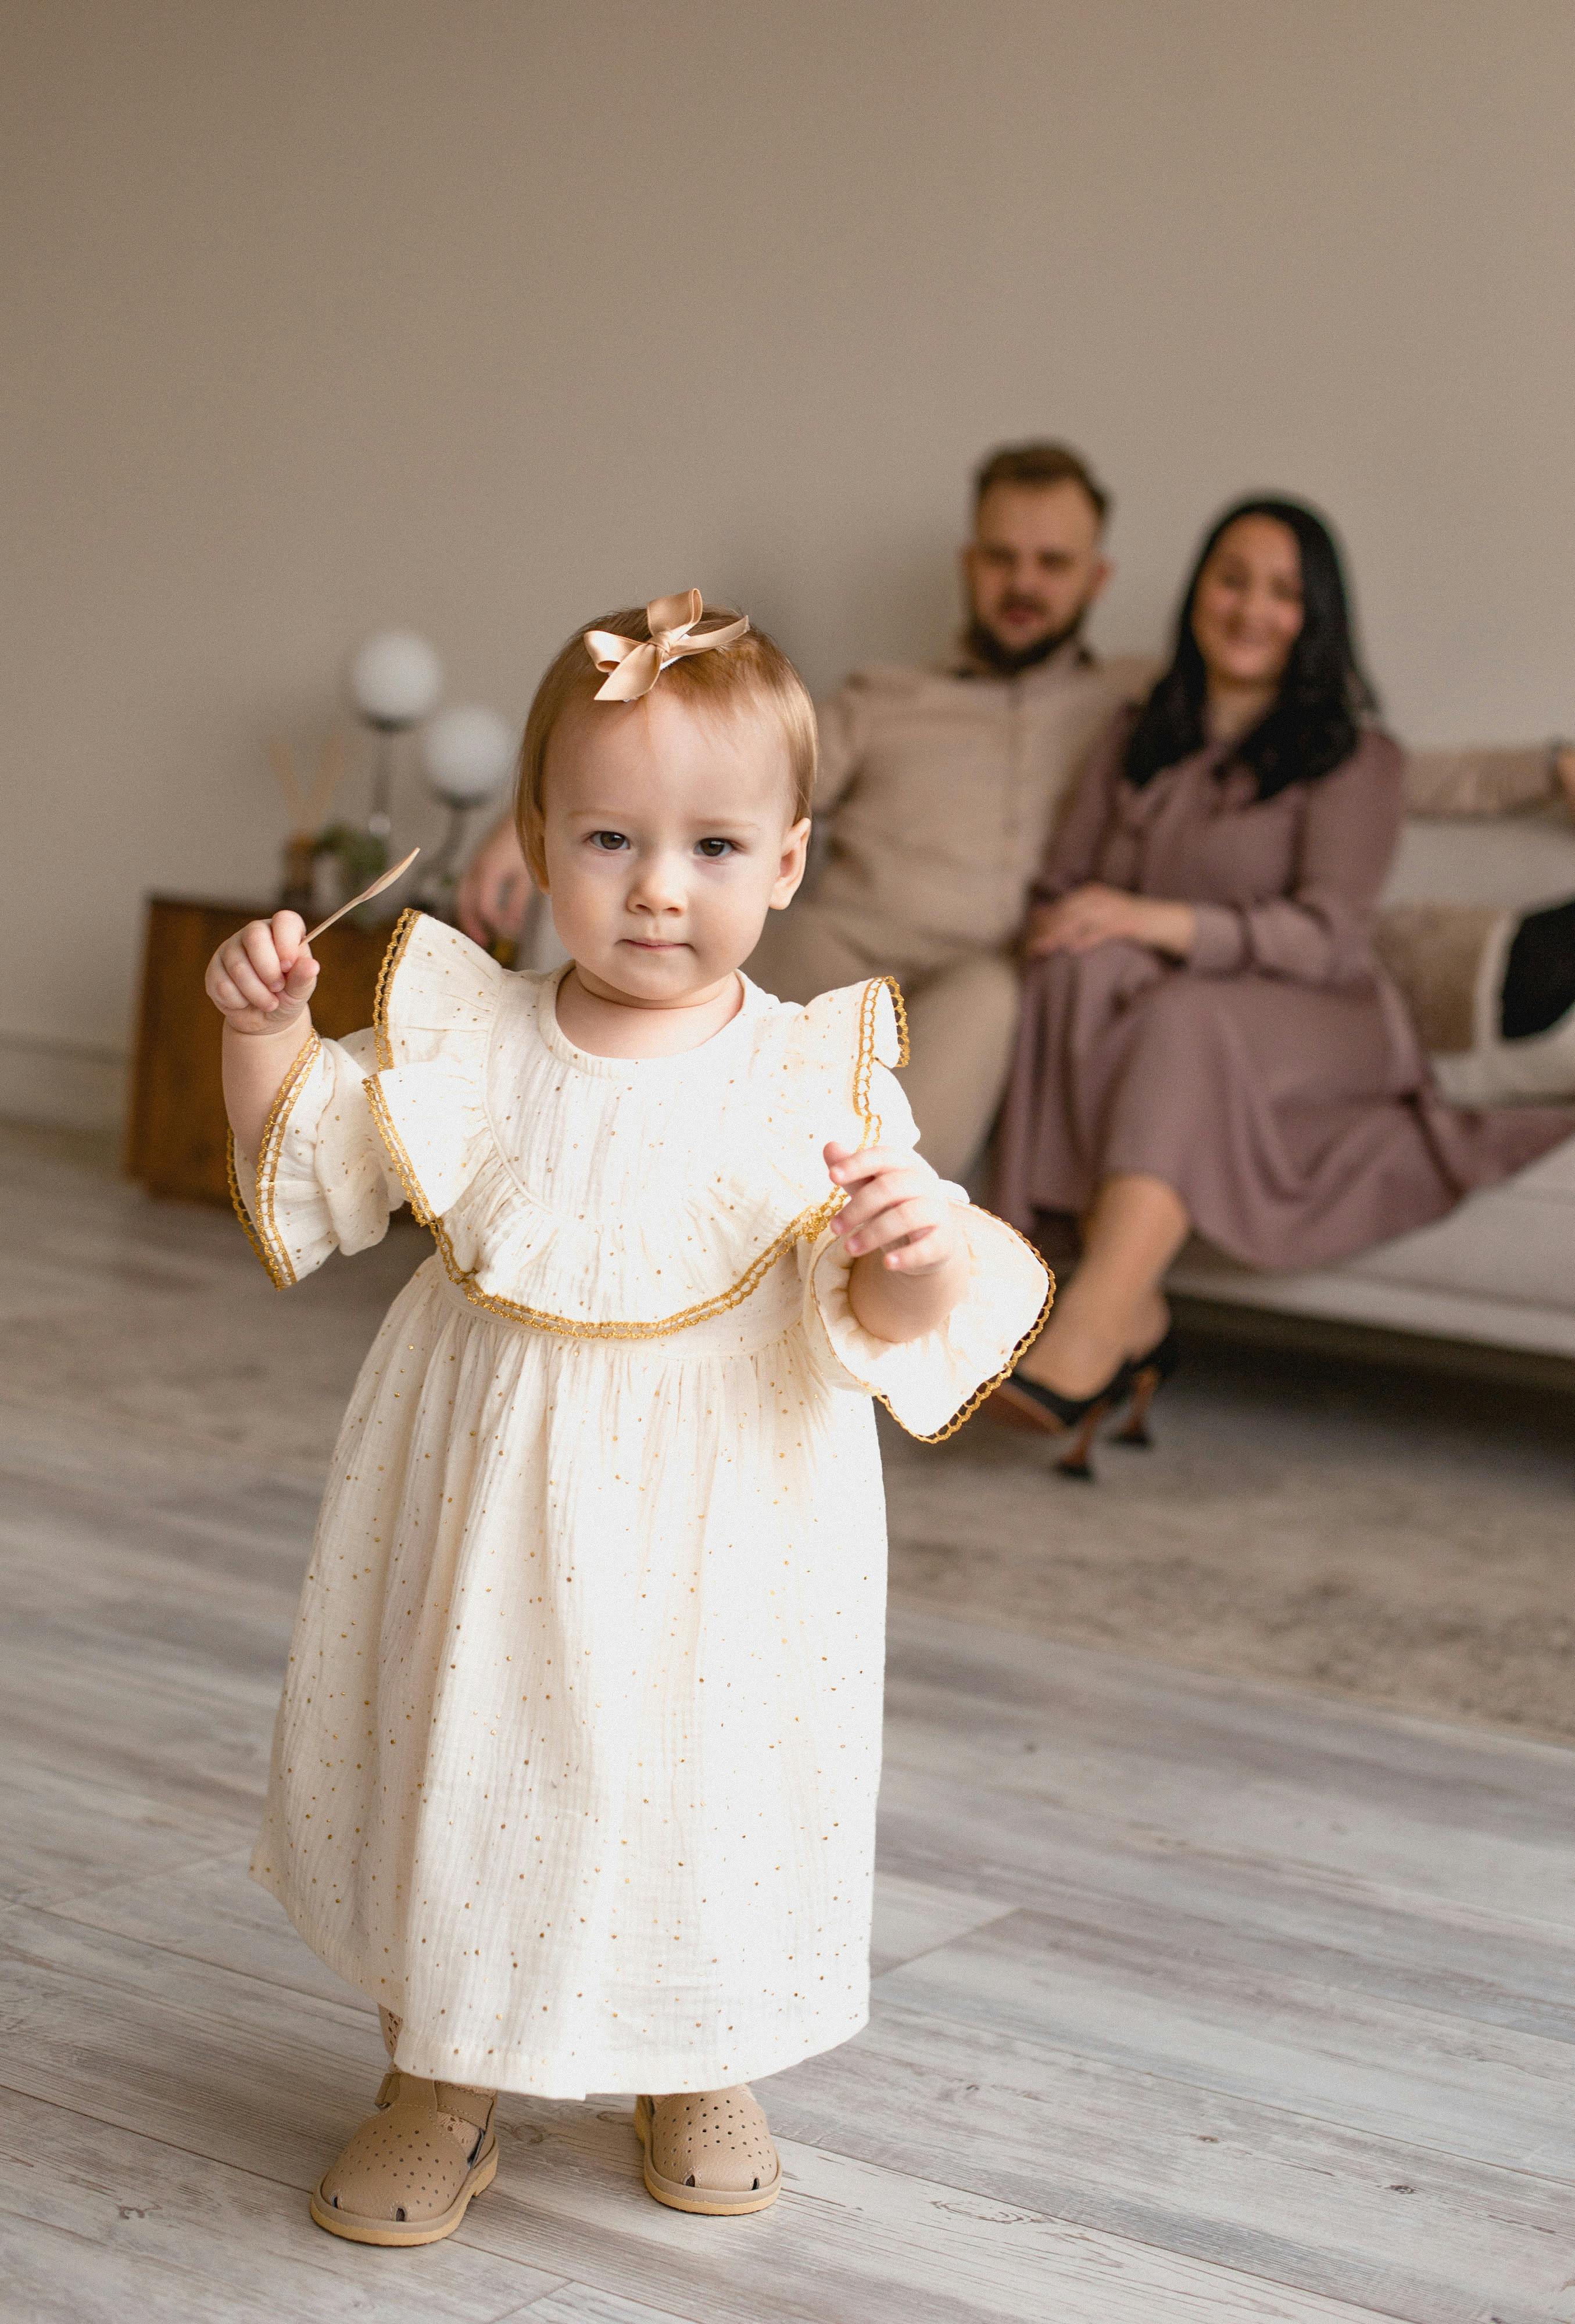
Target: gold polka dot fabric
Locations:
point(576, 1765)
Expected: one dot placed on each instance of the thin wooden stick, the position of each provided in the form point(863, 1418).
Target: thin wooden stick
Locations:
point(364, 897)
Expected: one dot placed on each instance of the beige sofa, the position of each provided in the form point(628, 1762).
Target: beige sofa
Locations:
point(1500, 1269)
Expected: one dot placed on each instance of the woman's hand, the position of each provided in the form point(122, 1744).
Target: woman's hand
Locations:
point(909, 1265)
point(262, 978)
point(1096, 915)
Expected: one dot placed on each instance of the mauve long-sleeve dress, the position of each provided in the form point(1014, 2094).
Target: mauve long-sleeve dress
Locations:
point(1273, 1078)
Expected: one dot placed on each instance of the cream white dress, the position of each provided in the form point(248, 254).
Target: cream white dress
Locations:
point(575, 1764)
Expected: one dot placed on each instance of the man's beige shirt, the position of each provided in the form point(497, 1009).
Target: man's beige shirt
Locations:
point(938, 788)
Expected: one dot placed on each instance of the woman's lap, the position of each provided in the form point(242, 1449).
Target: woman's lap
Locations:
point(1300, 1045)
point(1120, 1009)
point(1266, 1105)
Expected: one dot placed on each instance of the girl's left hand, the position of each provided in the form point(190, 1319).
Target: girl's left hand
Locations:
point(895, 1207)
point(1096, 915)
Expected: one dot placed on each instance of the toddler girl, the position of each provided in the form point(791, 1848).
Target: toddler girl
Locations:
point(575, 1769)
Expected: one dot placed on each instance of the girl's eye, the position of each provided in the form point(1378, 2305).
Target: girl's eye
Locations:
point(716, 848)
point(609, 840)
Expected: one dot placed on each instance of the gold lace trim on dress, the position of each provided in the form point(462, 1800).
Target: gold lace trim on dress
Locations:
point(404, 927)
point(264, 1236)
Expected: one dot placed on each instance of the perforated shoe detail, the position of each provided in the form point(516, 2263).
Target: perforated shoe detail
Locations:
point(409, 2162)
point(716, 2140)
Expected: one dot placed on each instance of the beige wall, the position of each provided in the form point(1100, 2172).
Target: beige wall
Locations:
point(479, 314)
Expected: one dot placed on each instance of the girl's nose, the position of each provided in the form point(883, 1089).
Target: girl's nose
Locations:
point(657, 887)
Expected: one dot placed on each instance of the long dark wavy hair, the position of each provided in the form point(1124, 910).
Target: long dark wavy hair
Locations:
point(1314, 720)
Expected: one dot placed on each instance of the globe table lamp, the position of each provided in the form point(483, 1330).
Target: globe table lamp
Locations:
point(467, 754)
point(396, 680)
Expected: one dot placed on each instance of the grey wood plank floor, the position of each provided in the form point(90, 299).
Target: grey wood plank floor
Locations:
point(1196, 1999)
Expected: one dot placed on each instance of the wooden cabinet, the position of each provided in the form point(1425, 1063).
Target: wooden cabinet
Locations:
point(175, 1142)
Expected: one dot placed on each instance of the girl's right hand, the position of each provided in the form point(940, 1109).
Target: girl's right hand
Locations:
point(261, 979)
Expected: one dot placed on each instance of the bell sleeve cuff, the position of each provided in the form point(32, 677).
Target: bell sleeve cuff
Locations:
point(931, 1384)
point(320, 1181)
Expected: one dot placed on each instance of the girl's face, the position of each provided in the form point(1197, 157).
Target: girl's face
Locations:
point(668, 835)
point(1246, 610)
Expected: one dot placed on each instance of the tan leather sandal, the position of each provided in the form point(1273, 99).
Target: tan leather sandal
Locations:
point(407, 2176)
point(708, 2150)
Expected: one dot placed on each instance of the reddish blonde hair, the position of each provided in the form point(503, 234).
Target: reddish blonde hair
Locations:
point(754, 674)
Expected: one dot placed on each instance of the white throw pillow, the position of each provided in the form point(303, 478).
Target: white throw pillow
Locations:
point(1537, 1070)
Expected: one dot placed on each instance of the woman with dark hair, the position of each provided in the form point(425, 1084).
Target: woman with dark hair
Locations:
point(1207, 1041)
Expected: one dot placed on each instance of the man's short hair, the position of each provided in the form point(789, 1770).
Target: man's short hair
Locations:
point(1037, 465)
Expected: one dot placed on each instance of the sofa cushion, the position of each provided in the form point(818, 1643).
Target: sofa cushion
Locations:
point(1525, 860)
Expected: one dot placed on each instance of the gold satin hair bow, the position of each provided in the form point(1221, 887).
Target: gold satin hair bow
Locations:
point(636, 663)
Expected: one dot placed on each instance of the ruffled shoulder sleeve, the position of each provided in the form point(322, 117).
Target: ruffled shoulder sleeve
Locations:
point(396, 1112)
point(437, 995)
point(320, 1181)
point(825, 1072)
point(835, 1045)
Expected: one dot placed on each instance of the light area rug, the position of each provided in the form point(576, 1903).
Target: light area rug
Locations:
point(1358, 1526)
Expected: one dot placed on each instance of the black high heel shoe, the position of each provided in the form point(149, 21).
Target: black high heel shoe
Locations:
point(1026, 1404)
point(1147, 1375)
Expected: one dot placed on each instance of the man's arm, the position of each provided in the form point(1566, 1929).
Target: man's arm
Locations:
point(1492, 780)
point(496, 887)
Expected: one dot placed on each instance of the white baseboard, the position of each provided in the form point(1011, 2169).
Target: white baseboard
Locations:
point(64, 1084)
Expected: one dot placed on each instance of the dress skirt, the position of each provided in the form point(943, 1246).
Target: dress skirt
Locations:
point(565, 1869)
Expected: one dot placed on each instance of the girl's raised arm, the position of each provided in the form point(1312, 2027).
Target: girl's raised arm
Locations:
point(261, 981)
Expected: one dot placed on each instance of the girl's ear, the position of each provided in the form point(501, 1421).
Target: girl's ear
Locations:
point(791, 871)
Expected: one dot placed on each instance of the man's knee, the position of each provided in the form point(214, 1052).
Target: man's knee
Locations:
point(982, 990)
point(962, 1024)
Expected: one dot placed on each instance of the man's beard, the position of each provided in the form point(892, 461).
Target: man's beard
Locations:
point(1007, 660)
